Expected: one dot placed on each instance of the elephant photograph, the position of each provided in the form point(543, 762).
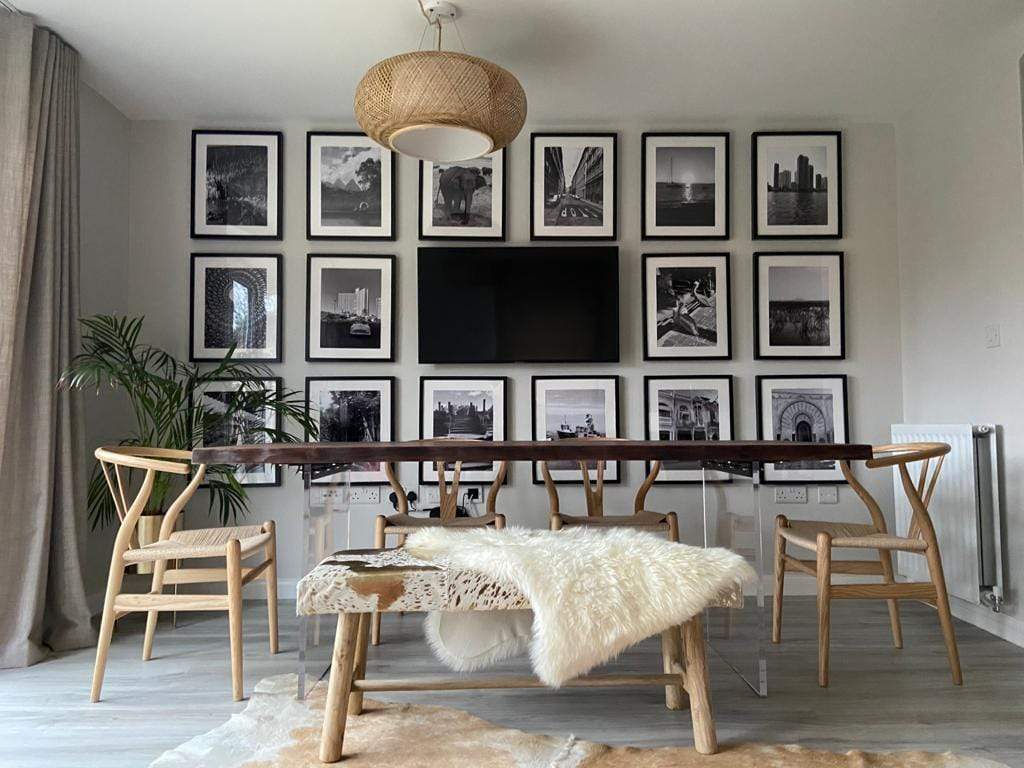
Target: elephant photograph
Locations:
point(463, 198)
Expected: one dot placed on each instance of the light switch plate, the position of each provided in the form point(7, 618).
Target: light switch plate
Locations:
point(793, 494)
point(828, 494)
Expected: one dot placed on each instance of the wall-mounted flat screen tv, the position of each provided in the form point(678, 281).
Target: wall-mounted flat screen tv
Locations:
point(519, 305)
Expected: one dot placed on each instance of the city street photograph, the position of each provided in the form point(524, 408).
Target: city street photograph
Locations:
point(573, 186)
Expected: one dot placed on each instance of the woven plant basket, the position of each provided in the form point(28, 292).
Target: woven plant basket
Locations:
point(440, 88)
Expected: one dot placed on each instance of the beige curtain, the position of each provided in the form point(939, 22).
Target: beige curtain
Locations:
point(42, 597)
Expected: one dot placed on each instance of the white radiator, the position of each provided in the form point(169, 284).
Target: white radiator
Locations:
point(965, 511)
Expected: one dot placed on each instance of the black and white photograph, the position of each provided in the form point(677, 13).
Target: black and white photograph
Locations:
point(684, 186)
point(243, 426)
point(351, 409)
point(572, 186)
point(688, 408)
point(686, 306)
point(797, 181)
point(575, 407)
point(350, 307)
point(235, 301)
point(237, 179)
point(463, 200)
point(802, 409)
point(350, 187)
point(798, 306)
point(459, 408)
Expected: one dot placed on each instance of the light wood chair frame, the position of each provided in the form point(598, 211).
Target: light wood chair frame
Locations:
point(920, 540)
point(448, 499)
point(593, 493)
point(152, 461)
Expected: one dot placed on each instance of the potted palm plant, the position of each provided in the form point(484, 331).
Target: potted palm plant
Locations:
point(165, 397)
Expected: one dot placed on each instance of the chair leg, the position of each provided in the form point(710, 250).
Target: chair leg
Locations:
point(338, 688)
point(780, 579)
point(379, 542)
point(885, 556)
point(234, 568)
point(673, 526)
point(499, 522)
point(945, 616)
point(355, 699)
point(824, 568)
point(698, 686)
point(114, 579)
point(270, 553)
point(556, 522)
point(672, 656)
point(157, 586)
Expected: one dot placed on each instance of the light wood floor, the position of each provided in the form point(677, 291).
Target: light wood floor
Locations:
point(879, 699)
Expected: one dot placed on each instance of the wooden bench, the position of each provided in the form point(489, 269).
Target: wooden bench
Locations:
point(355, 583)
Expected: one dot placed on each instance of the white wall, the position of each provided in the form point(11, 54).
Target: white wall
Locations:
point(961, 221)
point(158, 286)
point(105, 267)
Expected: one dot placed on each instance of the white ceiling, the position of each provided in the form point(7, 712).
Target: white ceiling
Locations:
point(579, 60)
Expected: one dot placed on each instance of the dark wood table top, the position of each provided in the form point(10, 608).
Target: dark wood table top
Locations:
point(721, 451)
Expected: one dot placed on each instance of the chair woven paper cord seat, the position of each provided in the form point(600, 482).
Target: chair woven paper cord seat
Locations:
point(593, 593)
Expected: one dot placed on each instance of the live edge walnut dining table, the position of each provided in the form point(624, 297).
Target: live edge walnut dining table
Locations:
point(737, 635)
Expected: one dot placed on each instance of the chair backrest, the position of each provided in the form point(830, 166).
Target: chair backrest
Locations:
point(593, 494)
point(919, 493)
point(448, 495)
point(117, 461)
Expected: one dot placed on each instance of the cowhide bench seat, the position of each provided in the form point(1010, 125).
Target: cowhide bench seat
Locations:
point(356, 583)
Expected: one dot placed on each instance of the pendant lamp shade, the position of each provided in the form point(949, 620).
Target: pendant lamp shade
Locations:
point(440, 105)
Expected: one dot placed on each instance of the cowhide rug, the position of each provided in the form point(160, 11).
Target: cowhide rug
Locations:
point(276, 731)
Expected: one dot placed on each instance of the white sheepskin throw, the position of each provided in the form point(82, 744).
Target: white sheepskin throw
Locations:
point(594, 592)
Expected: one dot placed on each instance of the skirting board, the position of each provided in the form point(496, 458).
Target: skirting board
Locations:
point(999, 624)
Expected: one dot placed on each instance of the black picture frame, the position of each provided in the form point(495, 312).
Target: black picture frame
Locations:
point(240, 354)
point(645, 138)
point(760, 382)
point(389, 383)
point(278, 233)
point(616, 466)
point(714, 476)
point(392, 298)
point(467, 477)
point(760, 257)
point(278, 386)
point(648, 262)
point(755, 188)
point(467, 237)
point(393, 189)
point(614, 235)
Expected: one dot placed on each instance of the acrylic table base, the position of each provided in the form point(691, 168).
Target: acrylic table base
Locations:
point(733, 520)
point(326, 528)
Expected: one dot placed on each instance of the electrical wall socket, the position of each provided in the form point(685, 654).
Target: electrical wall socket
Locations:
point(794, 494)
point(364, 494)
point(828, 494)
point(429, 496)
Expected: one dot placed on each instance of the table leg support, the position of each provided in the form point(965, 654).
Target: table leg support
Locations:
point(672, 659)
point(698, 685)
point(339, 687)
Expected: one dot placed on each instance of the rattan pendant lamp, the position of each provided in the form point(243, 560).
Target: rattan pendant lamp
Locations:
point(440, 105)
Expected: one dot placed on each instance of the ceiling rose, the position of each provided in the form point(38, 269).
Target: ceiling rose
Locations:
point(440, 105)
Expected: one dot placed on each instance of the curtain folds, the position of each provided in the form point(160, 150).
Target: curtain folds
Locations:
point(42, 596)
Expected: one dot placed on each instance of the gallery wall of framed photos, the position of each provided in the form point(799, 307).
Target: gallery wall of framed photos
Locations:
point(701, 316)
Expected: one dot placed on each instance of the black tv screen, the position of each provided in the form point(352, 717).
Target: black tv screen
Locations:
point(519, 305)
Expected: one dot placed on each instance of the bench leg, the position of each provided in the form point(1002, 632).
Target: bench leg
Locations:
point(355, 699)
point(339, 687)
point(671, 656)
point(698, 686)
